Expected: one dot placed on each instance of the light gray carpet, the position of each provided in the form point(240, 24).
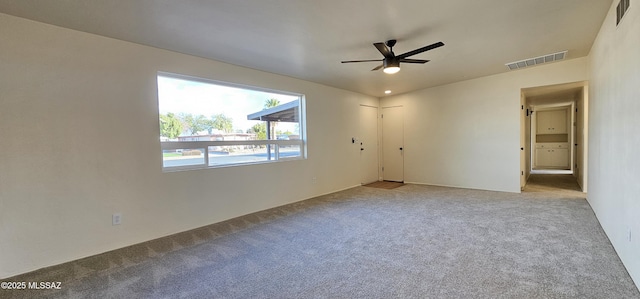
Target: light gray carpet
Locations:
point(410, 242)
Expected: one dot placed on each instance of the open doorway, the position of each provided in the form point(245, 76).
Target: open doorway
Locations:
point(554, 133)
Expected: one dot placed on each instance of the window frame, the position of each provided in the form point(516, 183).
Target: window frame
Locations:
point(272, 145)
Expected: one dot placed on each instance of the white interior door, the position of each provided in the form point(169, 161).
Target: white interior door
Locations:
point(368, 144)
point(392, 144)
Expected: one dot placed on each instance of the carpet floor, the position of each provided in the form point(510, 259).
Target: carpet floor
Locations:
point(413, 241)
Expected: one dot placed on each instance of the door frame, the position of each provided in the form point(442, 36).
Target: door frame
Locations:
point(523, 109)
point(375, 148)
point(576, 93)
point(571, 120)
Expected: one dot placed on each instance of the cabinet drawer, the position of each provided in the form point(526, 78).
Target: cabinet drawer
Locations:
point(552, 145)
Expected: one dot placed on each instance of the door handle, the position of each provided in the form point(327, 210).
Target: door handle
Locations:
point(400, 148)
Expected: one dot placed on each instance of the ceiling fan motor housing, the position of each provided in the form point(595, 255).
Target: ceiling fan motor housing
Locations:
point(391, 62)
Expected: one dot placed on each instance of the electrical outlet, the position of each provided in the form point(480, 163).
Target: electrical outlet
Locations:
point(313, 180)
point(116, 219)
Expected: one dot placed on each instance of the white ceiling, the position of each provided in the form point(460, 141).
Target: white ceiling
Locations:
point(307, 39)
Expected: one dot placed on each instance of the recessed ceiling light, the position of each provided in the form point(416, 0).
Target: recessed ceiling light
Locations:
point(387, 91)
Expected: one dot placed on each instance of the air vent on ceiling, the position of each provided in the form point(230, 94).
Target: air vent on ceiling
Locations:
point(621, 9)
point(537, 60)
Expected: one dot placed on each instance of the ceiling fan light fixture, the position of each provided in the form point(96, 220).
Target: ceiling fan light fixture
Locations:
point(391, 65)
point(391, 69)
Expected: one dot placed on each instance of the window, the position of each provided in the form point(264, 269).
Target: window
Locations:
point(205, 124)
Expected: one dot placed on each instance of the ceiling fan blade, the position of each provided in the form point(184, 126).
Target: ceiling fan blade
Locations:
point(423, 49)
point(368, 60)
point(377, 67)
point(407, 60)
point(383, 49)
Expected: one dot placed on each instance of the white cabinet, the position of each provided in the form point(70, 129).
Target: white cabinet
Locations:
point(551, 122)
point(560, 158)
point(543, 157)
point(552, 155)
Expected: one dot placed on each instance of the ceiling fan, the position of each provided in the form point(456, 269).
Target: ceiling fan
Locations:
point(391, 62)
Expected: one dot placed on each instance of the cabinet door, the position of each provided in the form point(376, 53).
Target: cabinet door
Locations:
point(551, 122)
point(561, 157)
point(543, 158)
point(559, 121)
point(555, 157)
point(543, 122)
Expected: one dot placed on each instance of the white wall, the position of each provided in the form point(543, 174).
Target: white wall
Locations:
point(614, 134)
point(467, 134)
point(79, 141)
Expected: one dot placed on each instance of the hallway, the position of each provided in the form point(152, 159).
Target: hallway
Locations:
point(560, 183)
